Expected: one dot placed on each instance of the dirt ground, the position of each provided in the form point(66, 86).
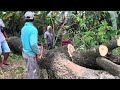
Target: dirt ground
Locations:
point(16, 70)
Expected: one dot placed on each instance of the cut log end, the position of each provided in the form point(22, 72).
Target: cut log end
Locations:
point(118, 41)
point(71, 49)
point(103, 50)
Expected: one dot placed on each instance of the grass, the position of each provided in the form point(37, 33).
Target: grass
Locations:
point(16, 70)
point(15, 57)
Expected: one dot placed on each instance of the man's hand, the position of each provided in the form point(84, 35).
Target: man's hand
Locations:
point(7, 39)
point(39, 57)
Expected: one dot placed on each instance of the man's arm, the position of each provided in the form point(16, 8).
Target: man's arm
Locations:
point(4, 33)
point(34, 42)
point(45, 37)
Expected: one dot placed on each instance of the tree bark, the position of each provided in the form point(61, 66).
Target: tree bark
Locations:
point(114, 59)
point(88, 58)
point(111, 45)
point(15, 44)
point(109, 66)
point(60, 67)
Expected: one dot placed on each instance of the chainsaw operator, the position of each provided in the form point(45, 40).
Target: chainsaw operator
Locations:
point(29, 39)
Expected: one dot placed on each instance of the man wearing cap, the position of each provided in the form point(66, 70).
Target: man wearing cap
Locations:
point(29, 39)
point(4, 48)
point(48, 35)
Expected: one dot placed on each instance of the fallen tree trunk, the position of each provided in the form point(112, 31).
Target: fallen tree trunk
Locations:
point(57, 62)
point(114, 59)
point(60, 67)
point(109, 66)
point(112, 44)
point(15, 44)
point(86, 58)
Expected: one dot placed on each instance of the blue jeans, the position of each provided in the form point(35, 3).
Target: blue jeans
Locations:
point(4, 48)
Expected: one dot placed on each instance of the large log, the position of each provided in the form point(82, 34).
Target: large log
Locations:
point(114, 59)
point(112, 44)
point(15, 44)
point(109, 66)
point(16, 41)
point(60, 67)
point(88, 58)
point(57, 62)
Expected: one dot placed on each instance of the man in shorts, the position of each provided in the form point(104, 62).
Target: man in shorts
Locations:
point(4, 48)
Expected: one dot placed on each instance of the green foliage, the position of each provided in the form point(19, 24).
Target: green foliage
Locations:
point(116, 52)
point(105, 32)
point(13, 57)
point(92, 31)
point(81, 21)
point(92, 27)
point(89, 38)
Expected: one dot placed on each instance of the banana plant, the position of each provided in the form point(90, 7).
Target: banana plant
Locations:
point(114, 16)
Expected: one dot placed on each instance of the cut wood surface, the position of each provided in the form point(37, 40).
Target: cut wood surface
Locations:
point(118, 41)
point(103, 50)
point(71, 49)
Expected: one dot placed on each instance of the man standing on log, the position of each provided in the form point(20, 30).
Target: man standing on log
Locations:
point(48, 35)
point(29, 39)
point(4, 48)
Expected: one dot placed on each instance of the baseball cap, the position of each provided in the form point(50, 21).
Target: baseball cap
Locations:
point(2, 23)
point(29, 15)
point(49, 27)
